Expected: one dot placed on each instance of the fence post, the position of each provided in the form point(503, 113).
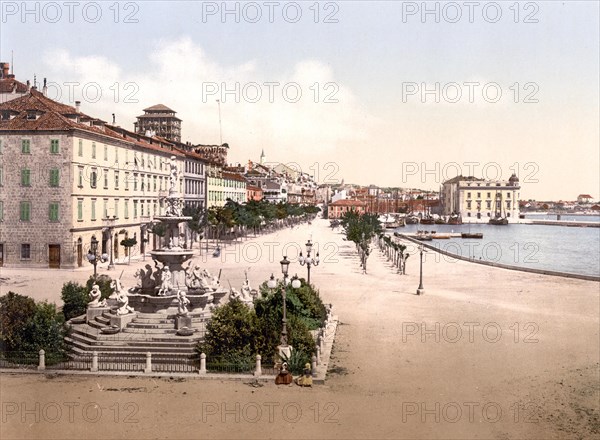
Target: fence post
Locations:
point(148, 363)
point(202, 364)
point(42, 361)
point(94, 361)
point(314, 364)
point(258, 370)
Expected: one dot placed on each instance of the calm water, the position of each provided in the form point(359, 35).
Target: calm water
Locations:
point(559, 248)
point(564, 217)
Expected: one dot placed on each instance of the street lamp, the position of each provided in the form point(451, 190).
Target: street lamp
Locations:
point(92, 255)
point(421, 289)
point(110, 225)
point(284, 350)
point(308, 261)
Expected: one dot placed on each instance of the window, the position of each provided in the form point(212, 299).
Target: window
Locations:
point(26, 146)
point(468, 195)
point(25, 251)
point(0, 146)
point(80, 178)
point(79, 210)
point(478, 195)
point(93, 209)
point(53, 212)
point(105, 209)
point(135, 208)
point(116, 179)
point(126, 181)
point(135, 179)
point(54, 146)
point(116, 210)
point(106, 152)
point(80, 150)
point(1, 210)
point(142, 208)
point(116, 154)
point(489, 195)
point(54, 177)
point(105, 179)
point(25, 211)
point(1, 175)
point(25, 177)
point(94, 178)
point(93, 150)
point(508, 195)
point(126, 214)
point(142, 181)
point(468, 205)
point(154, 182)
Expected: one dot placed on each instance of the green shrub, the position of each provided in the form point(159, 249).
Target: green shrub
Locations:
point(103, 282)
point(28, 326)
point(15, 312)
point(75, 298)
point(232, 332)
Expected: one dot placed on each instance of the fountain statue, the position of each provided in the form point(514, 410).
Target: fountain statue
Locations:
point(95, 296)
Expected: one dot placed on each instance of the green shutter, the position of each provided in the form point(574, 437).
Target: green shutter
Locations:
point(54, 146)
point(25, 146)
point(80, 210)
point(54, 177)
point(25, 177)
point(25, 211)
point(80, 152)
point(53, 214)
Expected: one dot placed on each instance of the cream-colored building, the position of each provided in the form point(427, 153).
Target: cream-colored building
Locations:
point(477, 200)
point(67, 177)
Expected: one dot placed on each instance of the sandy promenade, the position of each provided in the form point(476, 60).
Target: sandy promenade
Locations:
point(485, 353)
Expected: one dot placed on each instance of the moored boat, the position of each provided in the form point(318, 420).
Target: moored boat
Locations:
point(471, 235)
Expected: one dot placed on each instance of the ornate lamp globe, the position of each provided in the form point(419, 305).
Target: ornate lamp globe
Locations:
point(285, 264)
point(308, 247)
point(271, 284)
point(301, 258)
point(296, 282)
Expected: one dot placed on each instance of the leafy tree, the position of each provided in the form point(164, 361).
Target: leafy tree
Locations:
point(198, 221)
point(361, 229)
point(128, 243)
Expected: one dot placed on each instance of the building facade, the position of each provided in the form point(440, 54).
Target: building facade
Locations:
point(68, 177)
point(477, 200)
point(339, 208)
point(159, 120)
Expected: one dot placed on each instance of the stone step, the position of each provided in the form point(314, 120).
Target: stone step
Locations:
point(163, 314)
point(132, 346)
point(163, 320)
point(157, 331)
point(168, 326)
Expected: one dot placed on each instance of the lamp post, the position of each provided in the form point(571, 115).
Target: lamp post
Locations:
point(92, 255)
point(284, 350)
point(421, 289)
point(110, 225)
point(308, 261)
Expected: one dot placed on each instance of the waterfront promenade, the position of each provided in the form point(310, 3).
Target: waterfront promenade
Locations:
point(485, 353)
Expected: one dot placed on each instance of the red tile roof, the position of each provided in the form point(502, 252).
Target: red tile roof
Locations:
point(348, 202)
point(53, 116)
point(7, 85)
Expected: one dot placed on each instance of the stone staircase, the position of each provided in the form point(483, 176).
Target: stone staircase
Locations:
point(147, 332)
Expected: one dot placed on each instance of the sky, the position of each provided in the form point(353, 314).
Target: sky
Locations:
point(402, 94)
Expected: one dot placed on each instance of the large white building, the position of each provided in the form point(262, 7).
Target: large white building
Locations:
point(477, 200)
point(64, 174)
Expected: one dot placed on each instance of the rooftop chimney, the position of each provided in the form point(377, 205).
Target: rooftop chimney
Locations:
point(113, 115)
point(77, 106)
point(45, 89)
